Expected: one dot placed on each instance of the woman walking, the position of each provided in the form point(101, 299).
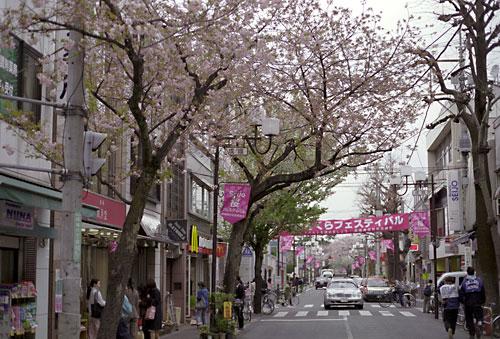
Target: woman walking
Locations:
point(95, 303)
point(154, 315)
point(201, 304)
point(133, 297)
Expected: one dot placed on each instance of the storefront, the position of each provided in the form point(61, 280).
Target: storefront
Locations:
point(26, 238)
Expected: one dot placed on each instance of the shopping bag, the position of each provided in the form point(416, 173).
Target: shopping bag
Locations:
point(150, 313)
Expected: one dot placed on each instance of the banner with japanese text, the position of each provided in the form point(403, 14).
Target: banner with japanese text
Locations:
point(420, 224)
point(286, 243)
point(236, 198)
point(385, 223)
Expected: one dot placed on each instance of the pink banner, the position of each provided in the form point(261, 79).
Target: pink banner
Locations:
point(286, 243)
point(236, 198)
point(373, 255)
point(317, 264)
point(299, 250)
point(361, 261)
point(388, 243)
point(309, 259)
point(385, 223)
point(419, 224)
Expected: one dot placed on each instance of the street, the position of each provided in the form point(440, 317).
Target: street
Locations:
point(310, 320)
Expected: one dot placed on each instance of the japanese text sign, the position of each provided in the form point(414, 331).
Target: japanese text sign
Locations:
point(236, 198)
point(419, 223)
point(286, 243)
point(385, 223)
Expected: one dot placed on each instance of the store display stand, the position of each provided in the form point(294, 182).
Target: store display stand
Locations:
point(17, 310)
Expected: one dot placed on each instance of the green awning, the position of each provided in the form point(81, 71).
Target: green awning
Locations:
point(37, 231)
point(29, 194)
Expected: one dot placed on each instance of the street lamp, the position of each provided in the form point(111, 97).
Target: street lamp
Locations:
point(421, 182)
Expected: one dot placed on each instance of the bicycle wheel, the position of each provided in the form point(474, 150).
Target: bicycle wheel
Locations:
point(495, 327)
point(267, 307)
point(410, 300)
point(384, 300)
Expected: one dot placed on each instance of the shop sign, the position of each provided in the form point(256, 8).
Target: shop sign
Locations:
point(455, 214)
point(467, 257)
point(15, 215)
point(110, 212)
point(414, 247)
point(205, 243)
point(194, 239)
point(177, 230)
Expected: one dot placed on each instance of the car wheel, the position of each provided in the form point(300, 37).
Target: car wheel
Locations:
point(359, 307)
point(327, 307)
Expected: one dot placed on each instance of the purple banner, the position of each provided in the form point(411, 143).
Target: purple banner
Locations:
point(286, 243)
point(419, 224)
point(236, 198)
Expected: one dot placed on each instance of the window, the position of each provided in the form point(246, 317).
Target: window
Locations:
point(19, 67)
point(200, 199)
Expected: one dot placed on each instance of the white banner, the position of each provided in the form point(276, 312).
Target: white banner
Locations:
point(455, 196)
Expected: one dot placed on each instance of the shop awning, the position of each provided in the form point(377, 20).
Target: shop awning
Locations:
point(154, 229)
point(37, 231)
point(30, 194)
point(464, 238)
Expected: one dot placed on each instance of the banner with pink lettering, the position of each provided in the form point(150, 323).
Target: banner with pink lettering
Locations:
point(419, 223)
point(236, 198)
point(309, 259)
point(373, 255)
point(286, 243)
point(385, 223)
point(299, 250)
point(361, 261)
point(388, 244)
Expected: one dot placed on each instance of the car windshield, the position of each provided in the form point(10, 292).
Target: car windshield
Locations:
point(377, 283)
point(342, 284)
point(327, 275)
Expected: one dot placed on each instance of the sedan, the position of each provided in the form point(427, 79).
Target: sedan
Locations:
point(343, 293)
point(374, 288)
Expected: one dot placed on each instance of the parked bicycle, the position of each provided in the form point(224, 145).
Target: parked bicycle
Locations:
point(247, 309)
point(267, 304)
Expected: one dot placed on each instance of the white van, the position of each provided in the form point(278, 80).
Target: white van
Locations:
point(459, 277)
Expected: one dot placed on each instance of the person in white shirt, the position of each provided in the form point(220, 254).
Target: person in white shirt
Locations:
point(451, 303)
point(94, 296)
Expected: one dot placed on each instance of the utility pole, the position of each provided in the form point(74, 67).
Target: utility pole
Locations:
point(70, 235)
point(434, 246)
point(215, 212)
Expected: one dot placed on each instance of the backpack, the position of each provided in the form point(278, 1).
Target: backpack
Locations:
point(428, 291)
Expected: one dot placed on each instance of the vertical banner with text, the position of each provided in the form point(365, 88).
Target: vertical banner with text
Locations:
point(236, 198)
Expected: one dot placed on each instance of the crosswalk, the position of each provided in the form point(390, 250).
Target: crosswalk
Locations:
point(343, 313)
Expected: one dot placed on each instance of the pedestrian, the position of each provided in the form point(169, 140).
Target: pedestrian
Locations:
point(451, 303)
point(427, 296)
point(153, 317)
point(133, 297)
point(473, 296)
point(201, 304)
point(123, 331)
point(95, 304)
point(239, 298)
point(269, 284)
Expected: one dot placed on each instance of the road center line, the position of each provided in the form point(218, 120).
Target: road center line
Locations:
point(348, 329)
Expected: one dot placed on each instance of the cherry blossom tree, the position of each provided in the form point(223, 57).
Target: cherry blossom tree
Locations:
point(154, 71)
point(344, 90)
point(473, 103)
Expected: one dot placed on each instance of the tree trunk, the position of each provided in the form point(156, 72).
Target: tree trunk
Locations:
point(234, 255)
point(121, 261)
point(259, 258)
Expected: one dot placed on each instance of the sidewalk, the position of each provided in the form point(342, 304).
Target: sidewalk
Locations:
point(185, 331)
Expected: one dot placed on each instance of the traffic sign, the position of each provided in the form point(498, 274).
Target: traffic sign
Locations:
point(247, 252)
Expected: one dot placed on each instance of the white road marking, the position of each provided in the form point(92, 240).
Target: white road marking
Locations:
point(301, 313)
point(407, 314)
point(322, 313)
point(386, 313)
point(348, 329)
point(280, 314)
point(365, 313)
point(322, 306)
point(302, 320)
point(375, 306)
point(308, 306)
point(344, 313)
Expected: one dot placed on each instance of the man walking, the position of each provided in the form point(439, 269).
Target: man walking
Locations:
point(427, 296)
point(473, 296)
point(451, 303)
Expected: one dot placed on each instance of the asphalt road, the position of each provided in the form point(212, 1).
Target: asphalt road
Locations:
point(309, 320)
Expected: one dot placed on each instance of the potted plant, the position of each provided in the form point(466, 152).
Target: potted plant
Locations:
point(192, 306)
point(222, 325)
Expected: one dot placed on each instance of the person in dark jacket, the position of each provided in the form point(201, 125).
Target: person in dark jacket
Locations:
point(239, 298)
point(473, 296)
point(152, 327)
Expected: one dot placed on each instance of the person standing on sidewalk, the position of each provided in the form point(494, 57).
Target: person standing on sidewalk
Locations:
point(239, 298)
point(94, 296)
point(473, 296)
point(201, 304)
point(451, 303)
point(427, 297)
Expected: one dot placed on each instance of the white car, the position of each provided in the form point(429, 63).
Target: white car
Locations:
point(343, 292)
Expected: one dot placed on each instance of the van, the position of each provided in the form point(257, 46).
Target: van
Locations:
point(459, 277)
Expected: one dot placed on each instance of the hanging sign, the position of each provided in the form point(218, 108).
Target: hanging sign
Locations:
point(194, 239)
point(388, 244)
point(455, 213)
point(419, 224)
point(384, 223)
point(299, 250)
point(373, 255)
point(177, 230)
point(286, 243)
point(236, 198)
point(15, 215)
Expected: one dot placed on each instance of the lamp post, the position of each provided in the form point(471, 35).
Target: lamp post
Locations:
point(421, 182)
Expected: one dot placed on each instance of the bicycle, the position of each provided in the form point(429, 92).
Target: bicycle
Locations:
point(267, 306)
point(247, 309)
point(391, 297)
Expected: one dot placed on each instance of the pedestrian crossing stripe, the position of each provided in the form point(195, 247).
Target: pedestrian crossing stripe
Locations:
point(322, 313)
point(386, 313)
point(280, 314)
point(344, 313)
point(365, 313)
point(407, 314)
point(308, 306)
point(301, 313)
point(375, 306)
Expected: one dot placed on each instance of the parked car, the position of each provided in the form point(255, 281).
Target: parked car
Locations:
point(323, 280)
point(459, 277)
point(374, 287)
point(341, 292)
point(357, 280)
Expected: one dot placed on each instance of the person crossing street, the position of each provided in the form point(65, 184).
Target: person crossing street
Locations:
point(473, 296)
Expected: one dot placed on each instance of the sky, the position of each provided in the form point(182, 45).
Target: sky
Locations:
point(343, 204)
